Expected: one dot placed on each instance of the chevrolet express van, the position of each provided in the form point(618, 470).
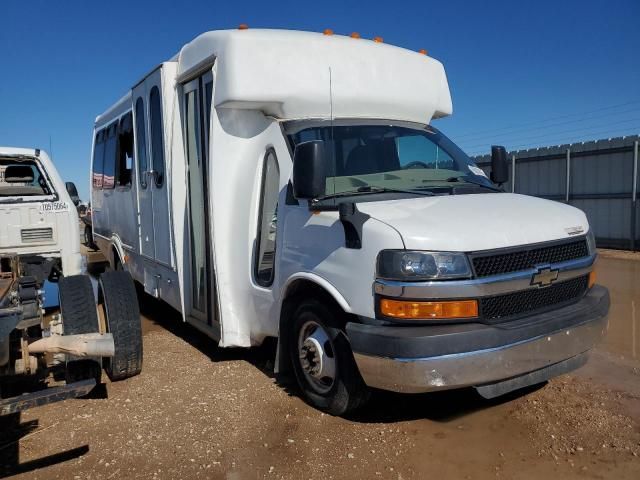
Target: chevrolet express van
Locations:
point(291, 184)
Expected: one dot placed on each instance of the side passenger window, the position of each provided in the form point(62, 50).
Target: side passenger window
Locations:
point(109, 171)
point(267, 221)
point(98, 160)
point(157, 147)
point(124, 159)
point(141, 143)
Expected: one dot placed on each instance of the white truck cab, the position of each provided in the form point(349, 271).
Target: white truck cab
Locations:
point(290, 184)
point(61, 351)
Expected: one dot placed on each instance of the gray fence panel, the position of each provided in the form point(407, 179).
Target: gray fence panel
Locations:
point(601, 183)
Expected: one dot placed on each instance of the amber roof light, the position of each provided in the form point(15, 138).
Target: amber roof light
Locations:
point(355, 35)
point(243, 26)
point(328, 31)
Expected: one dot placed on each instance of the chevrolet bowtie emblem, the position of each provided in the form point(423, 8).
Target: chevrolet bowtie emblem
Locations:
point(544, 277)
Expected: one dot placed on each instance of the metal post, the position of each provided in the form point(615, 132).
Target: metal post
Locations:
point(568, 188)
point(513, 174)
point(634, 195)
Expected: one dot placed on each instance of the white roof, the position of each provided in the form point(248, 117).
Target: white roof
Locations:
point(290, 74)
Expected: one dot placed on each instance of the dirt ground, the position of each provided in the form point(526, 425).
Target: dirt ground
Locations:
point(197, 411)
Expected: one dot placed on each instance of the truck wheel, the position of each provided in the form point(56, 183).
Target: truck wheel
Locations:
point(122, 318)
point(323, 362)
point(78, 310)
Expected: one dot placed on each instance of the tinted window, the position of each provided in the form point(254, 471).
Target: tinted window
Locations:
point(141, 143)
point(109, 169)
point(98, 159)
point(157, 149)
point(124, 164)
point(267, 220)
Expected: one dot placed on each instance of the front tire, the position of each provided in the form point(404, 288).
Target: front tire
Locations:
point(122, 319)
point(323, 361)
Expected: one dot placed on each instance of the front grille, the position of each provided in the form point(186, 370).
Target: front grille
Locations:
point(498, 263)
point(524, 301)
point(36, 234)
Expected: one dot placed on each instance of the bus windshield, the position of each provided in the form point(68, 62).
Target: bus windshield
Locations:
point(383, 156)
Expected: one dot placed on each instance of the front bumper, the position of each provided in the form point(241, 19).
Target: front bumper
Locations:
point(440, 357)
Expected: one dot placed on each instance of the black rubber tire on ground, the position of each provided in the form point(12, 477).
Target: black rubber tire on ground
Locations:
point(78, 309)
point(122, 315)
point(348, 391)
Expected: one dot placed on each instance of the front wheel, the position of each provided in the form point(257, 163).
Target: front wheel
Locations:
point(322, 360)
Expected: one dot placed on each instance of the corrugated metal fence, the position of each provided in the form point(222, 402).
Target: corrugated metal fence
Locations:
point(599, 177)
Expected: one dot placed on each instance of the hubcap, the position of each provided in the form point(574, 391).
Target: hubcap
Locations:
point(317, 357)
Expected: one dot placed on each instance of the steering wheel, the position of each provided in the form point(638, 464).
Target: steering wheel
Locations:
point(416, 164)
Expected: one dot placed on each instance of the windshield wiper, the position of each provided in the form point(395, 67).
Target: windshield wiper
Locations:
point(465, 179)
point(369, 189)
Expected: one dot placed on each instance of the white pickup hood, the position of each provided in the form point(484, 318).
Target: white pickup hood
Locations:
point(464, 223)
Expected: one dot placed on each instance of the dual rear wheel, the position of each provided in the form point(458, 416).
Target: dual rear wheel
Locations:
point(117, 312)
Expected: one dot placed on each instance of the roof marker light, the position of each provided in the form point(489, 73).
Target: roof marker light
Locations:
point(327, 31)
point(378, 39)
point(422, 51)
point(355, 35)
point(243, 26)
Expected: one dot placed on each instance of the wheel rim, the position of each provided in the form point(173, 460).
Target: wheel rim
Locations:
point(316, 355)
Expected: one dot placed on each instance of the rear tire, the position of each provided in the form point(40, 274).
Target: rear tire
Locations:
point(331, 381)
point(122, 318)
point(78, 309)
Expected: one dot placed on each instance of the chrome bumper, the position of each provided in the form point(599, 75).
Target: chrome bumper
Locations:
point(583, 326)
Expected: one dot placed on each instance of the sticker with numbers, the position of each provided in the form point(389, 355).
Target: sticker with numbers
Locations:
point(54, 207)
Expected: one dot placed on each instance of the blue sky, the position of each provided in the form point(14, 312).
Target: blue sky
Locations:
point(521, 73)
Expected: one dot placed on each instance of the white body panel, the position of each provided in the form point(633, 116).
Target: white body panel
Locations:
point(467, 223)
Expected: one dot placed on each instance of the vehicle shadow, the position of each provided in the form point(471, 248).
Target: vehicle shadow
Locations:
point(383, 407)
point(12, 430)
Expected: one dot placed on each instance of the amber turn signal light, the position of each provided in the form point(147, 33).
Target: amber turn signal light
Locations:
point(592, 278)
point(409, 310)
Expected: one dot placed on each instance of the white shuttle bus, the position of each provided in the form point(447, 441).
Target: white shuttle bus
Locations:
point(289, 184)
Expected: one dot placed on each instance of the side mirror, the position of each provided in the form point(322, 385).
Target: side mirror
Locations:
point(309, 170)
point(73, 192)
point(499, 165)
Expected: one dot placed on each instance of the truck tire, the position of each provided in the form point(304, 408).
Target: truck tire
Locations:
point(77, 305)
point(78, 309)
point(122, 317)
point(323, 361)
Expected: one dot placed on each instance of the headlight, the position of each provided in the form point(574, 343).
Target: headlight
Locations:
point(591, 242)
point(415, 266)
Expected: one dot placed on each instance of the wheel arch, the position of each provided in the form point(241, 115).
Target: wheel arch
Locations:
point(297, 287)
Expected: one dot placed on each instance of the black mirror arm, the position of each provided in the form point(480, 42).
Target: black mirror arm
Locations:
point(352, 221)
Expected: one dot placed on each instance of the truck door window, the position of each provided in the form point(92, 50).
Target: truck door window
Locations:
point(21, 178)
point(157, 148)
point(141, 143)
point(267, 221)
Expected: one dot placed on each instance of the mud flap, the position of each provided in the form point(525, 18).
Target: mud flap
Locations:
point(494, 390)
point(42, 397)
